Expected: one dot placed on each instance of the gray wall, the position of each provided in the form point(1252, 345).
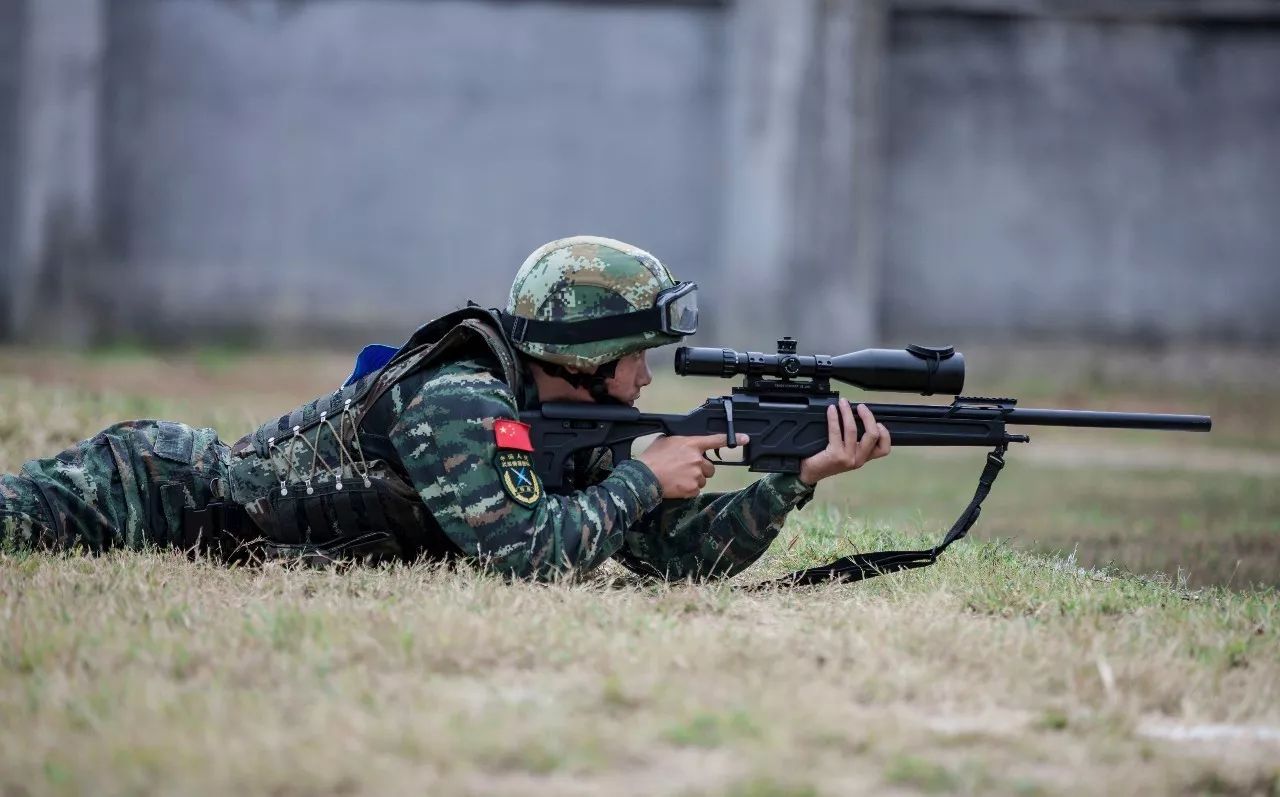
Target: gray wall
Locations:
point(800, 254)
point(1083, 177)
point(841, 170)
point(11, 28)
point(52, 221)
point(347, 165)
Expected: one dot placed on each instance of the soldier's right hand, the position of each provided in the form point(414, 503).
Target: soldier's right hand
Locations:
point(679, 464)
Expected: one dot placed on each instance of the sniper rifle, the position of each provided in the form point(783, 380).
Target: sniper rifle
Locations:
point(782, 405)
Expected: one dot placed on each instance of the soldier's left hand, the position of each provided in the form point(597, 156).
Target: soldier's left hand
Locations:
point(845, 451)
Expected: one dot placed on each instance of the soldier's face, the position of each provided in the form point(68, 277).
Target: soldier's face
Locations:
point(631, 375)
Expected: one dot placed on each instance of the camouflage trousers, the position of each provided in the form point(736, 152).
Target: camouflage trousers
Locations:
point(126, 487)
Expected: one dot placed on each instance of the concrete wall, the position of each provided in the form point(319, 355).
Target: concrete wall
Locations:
point(11, 27)
point(800, 254)
point(367, 165)
point(52, 221)
point(1098, 178)
point(841, 170)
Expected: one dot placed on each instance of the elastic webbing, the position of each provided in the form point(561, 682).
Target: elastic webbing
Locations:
point(623, 325)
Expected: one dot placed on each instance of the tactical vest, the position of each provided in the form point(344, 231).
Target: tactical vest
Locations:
point(305, 480)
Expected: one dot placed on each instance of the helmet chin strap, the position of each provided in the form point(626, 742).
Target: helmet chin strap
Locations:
point(595, 383)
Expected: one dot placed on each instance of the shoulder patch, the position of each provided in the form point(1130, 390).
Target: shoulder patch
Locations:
point(512, 434)
point(519, 479)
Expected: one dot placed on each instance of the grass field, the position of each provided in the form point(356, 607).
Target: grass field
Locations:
point(1046, 655)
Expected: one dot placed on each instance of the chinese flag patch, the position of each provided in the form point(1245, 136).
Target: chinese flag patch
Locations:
point(513, 435)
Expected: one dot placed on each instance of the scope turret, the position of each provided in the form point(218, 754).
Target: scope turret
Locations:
point(916, 369)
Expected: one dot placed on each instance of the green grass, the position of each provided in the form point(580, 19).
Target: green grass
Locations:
point(1086, 608)
point(984, 674)
point(1210, 527)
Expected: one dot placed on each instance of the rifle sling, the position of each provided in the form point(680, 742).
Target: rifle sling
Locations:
point(848, 569)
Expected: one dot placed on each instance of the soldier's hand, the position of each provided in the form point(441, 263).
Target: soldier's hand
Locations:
point(679, 464)
point(844, 451)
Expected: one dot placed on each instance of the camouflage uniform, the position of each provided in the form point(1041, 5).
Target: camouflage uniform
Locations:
point(444, 436)
point(407, 462)
point(126, 487)
point(433, 430)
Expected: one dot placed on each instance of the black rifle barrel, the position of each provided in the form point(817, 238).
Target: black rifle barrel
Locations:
point(1108, 420)
point(981, 411)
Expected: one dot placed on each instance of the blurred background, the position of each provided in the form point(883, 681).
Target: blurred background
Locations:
point(331, 171)
point(205, 205)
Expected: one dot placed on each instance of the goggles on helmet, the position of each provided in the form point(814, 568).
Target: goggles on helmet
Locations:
point(674, 313)
point(678, 309)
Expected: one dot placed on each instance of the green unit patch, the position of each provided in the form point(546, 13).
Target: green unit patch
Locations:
point(518, 477)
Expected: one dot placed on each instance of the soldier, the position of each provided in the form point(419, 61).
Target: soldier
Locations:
point(424, 456)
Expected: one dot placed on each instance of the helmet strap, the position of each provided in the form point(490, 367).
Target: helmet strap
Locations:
point(592, 383)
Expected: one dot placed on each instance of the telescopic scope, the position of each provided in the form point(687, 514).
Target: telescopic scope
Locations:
point(916, 369)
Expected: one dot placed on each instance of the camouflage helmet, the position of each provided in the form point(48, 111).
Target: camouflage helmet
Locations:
point(585, 301)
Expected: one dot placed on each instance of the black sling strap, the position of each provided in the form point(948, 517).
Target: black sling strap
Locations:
point(862, 566)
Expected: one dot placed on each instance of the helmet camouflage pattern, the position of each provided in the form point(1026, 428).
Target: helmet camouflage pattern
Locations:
point(586, 277)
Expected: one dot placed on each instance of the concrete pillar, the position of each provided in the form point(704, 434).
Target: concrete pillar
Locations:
point(11, 25)
point(800, 251)
point(53, 223)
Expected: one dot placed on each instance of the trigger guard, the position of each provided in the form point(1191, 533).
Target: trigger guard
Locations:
point(620, 452)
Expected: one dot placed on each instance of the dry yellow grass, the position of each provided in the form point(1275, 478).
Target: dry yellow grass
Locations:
point(998, 671)
point(993, 672)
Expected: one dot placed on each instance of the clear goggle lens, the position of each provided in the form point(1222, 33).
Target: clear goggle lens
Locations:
point(680, 309)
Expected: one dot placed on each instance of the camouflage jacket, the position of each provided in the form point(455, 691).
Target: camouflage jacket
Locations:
point(443, 431)
point(418, 468)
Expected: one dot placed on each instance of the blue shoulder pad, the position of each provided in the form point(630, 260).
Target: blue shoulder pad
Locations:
point(371, 358)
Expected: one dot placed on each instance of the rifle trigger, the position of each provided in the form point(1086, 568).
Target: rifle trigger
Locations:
point(730, 435)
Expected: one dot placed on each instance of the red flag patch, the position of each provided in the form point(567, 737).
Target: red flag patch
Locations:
point(513, 435)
